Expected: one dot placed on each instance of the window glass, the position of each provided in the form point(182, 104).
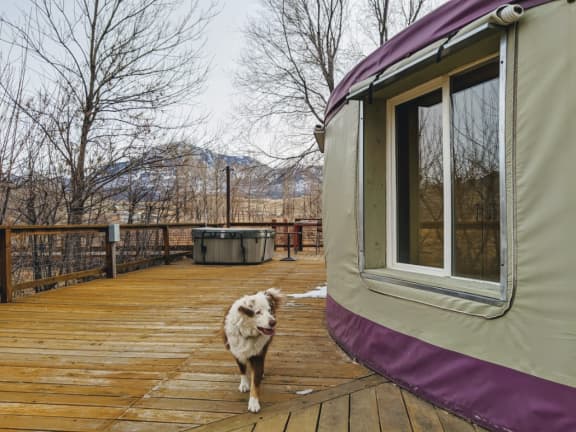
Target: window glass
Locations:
point(419, 181)
point(476, 174)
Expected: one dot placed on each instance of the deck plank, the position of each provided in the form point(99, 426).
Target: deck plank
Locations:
point(391, 409)
point(304, 420)
point(423, 416)
point(314, 399)
point(51, 423)
point(143, 352)
point(249, 428)
point(275, 423)
point(364, 411)
point(451, 423)
point(335, 415)
point(137, 426)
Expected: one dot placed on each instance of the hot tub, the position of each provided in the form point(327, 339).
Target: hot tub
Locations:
point(233, 245)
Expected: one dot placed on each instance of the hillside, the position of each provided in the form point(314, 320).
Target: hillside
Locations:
point(206, 170)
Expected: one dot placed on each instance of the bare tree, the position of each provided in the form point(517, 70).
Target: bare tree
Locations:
point(250, 184)
point(39, 196)
point(290, 65)
point(110, 70)
point(381, 19)
point(379, 15)
point(12, 134)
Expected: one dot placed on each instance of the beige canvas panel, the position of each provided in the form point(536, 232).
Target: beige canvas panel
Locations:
point(545, 182)
point(538, 334)
point(374, 161)
point(339, 205)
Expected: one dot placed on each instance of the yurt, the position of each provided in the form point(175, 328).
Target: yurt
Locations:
point(450, 212)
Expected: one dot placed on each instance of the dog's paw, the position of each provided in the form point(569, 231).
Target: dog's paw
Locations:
point(244, 384)
point(253, 405)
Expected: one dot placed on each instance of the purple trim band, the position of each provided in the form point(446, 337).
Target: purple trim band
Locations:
point(496, 397)
point(441, 22)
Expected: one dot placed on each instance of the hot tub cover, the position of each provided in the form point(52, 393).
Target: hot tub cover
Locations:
point(232, 233)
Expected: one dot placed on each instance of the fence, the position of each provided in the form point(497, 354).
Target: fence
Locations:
point(38, 258)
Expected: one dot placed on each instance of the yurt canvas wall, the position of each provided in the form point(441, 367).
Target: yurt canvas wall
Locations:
point(449, 212)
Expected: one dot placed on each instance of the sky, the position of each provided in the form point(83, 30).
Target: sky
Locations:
point(224, 43)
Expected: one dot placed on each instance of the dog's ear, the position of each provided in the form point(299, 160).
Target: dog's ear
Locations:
point(274, 296)
point(246, 311)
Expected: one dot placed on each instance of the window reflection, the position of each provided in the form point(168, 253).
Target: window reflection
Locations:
point(419, 184)
point(475, 165)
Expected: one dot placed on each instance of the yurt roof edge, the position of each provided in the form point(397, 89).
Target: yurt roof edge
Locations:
point(442, 22)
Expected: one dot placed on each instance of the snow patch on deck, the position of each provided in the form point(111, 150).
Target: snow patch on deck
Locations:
point(318, 292)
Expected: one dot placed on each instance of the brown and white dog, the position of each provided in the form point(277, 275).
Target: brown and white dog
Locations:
point(249, 327)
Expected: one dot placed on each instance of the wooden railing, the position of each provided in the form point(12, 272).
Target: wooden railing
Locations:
point(38, 258)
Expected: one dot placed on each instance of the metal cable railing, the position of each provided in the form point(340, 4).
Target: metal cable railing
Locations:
point(38, 258)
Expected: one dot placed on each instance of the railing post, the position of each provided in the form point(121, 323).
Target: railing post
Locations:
point(227, 196)
point(166, 237)
point(318, 235)
point(5, 266)
point(275, 228)
point(299, 241)
point(113, 236)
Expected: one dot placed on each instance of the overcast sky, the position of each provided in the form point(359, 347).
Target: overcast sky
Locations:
point(224, 45)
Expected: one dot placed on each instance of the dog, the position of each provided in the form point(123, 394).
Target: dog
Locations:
point(249, 327)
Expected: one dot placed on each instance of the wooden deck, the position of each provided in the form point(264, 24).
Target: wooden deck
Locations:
point(143, 353)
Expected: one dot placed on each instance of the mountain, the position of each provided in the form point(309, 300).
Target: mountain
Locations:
point(274, 180)
point(212, 158)
point(205, 168)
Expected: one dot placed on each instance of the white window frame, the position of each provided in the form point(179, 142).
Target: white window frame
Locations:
point(442, 83)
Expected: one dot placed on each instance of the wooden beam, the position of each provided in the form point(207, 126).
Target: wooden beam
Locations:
point(59, 278)
point(166, 241)
point(5, 266)
point(111, 268)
